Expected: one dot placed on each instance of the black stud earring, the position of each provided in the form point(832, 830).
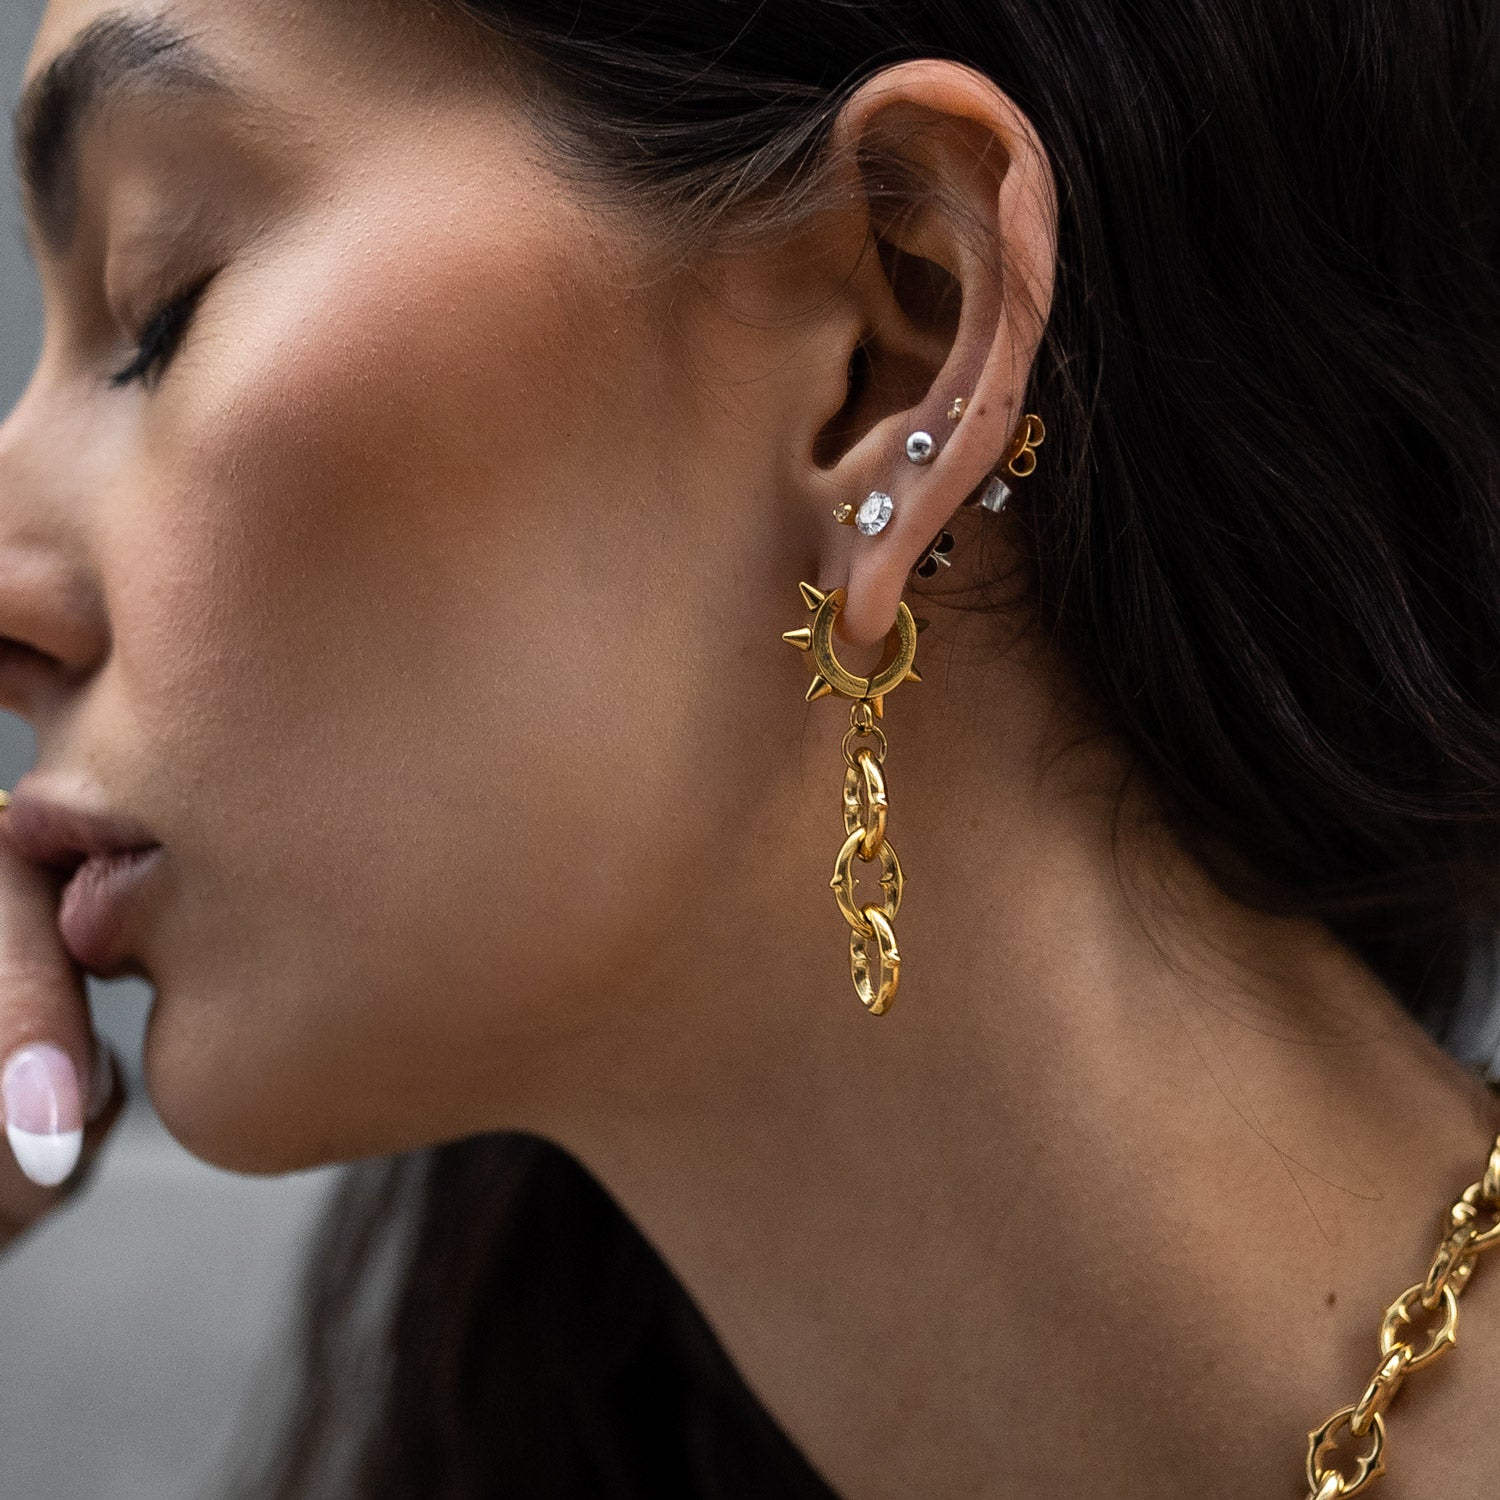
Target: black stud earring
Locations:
point(936, 556)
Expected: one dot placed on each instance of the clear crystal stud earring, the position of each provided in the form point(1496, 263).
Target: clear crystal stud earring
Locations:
point(873, 513)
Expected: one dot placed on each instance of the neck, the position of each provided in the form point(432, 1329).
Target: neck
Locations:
point(1116, 1192)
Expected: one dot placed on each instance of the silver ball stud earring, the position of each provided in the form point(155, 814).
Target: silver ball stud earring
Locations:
point(920, 447)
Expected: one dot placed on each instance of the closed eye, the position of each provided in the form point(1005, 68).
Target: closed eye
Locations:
point(159, 339)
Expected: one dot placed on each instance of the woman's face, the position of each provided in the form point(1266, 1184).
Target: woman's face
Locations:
point(412, 595)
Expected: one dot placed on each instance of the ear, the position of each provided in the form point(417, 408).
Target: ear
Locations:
point(952, 296)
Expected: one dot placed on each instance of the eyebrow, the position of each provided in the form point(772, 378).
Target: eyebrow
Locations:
point(115, 55)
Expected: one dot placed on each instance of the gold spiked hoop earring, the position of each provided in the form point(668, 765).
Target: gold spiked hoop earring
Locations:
point(874, 962)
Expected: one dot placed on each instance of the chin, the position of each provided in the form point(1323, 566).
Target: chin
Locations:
point(221, 1101)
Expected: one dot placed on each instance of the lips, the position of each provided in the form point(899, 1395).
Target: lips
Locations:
point(96, 903)
point(107, 860)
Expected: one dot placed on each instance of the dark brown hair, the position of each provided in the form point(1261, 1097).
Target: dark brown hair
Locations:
point(1267, 541)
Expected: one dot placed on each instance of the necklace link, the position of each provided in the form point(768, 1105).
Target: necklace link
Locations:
point(1473, 1227)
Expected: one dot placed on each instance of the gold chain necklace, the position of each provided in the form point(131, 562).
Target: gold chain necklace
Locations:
point(1421, 1325)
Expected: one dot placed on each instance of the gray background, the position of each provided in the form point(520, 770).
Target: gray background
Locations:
point(133, 1322)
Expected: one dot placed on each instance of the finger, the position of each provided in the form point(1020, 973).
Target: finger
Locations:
point(23, 1202)
point(47, 1057)
point(100, 1116)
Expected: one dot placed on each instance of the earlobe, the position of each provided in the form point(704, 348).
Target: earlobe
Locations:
point(952, 301)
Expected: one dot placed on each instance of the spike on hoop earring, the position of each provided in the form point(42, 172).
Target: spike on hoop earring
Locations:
point(872, 939)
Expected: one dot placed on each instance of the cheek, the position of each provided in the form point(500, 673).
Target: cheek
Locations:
point(389, 622)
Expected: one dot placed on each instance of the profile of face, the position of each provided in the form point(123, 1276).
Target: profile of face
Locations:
point(404, 539)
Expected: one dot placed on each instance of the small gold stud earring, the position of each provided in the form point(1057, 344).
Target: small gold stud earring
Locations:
point(957, 409)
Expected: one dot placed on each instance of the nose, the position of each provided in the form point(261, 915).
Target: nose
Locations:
point(53, 625)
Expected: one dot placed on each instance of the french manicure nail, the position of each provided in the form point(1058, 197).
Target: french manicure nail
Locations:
point(43, 1112)
point(101, 1081)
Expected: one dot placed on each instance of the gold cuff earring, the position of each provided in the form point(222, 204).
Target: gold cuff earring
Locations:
point(874, 962)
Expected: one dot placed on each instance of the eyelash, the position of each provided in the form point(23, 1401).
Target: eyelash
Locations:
point(159, 339)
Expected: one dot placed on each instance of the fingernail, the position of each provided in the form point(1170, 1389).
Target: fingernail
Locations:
point(101, 1081)
point(43, 1112)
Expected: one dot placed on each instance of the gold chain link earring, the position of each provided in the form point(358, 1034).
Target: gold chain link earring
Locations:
point(866, 805)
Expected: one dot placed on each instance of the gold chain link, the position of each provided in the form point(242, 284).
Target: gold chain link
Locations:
point(1335, 1470)
point(874, 963)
